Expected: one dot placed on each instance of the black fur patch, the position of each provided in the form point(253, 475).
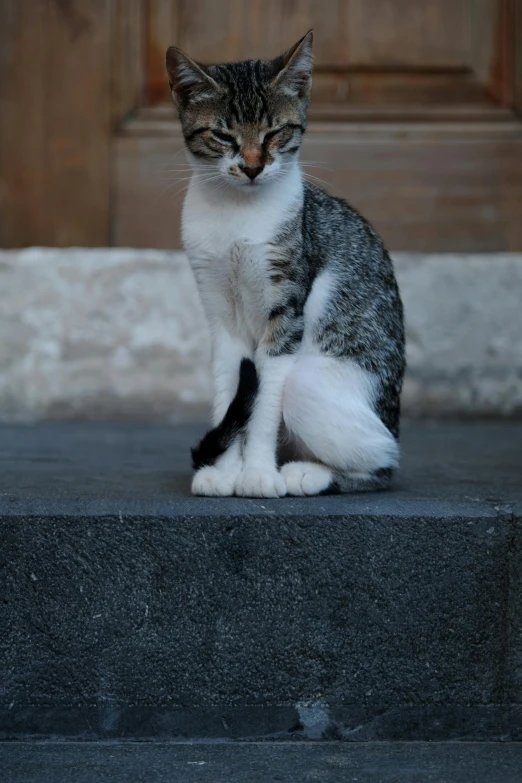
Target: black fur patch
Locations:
point(217, 440)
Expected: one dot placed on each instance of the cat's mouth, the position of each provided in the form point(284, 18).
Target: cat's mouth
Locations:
point(252, 184)
point(249, 184)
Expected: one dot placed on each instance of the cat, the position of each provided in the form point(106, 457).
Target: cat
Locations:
point(304, 311)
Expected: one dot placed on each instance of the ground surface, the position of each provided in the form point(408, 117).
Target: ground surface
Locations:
point(261, 763)
point(146, 469)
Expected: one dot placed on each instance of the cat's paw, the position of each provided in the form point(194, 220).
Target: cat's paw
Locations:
point(263, 483)
point(306, 478)
point(213, 482)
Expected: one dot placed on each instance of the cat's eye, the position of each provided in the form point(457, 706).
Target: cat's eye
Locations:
point(285, 132)
point(224, 138)
point(275, 133)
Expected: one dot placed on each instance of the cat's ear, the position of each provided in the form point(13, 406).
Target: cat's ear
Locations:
point(294, 68)
point(188, 80)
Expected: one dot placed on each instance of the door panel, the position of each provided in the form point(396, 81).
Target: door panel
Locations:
point(452, 37)
point(394, 33)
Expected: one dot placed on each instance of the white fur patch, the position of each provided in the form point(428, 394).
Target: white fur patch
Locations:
point(260, 477)
point(219, 480)
point(213, 482)
point(306, 478)
point(328, 405)
point(260, 483)
point(227, 238)
point(317, 301)
point(214, 219)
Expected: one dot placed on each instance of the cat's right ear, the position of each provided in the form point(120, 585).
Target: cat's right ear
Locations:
point(188, 80)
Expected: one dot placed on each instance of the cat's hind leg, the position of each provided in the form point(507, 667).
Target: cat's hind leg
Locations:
point(328, 408)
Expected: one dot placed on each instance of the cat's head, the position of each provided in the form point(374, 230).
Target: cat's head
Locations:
point(243, 122)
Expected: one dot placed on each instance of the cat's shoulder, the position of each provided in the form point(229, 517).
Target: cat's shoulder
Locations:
point(317, 198)
point(335, 216)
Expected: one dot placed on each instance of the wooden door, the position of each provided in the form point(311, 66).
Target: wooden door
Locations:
point(367, 52)
point(412, 117)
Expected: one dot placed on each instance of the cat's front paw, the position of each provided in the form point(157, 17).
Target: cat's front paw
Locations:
point(213, 482)
point(260, 483)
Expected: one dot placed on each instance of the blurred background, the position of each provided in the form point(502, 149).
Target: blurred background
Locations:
point(415, 119)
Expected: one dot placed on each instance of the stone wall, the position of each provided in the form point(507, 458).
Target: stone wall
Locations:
point(121, 334)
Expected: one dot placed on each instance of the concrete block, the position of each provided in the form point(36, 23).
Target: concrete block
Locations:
point(132, 610)
point(120, 334)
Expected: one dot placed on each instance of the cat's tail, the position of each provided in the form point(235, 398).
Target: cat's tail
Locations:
point(217, 440)
point(350, 482)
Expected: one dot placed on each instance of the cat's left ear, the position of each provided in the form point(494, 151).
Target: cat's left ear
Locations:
point(294, 68)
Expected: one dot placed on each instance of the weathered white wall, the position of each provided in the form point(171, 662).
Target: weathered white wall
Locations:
point(464, 333)
point(121, 333)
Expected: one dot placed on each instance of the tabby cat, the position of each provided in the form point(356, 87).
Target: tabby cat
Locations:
point(304, 311)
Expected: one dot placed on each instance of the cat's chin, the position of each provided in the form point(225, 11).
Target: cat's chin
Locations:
point(250, 186)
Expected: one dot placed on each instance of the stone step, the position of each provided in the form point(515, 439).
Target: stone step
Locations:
point(253, 762)
point(130, 609)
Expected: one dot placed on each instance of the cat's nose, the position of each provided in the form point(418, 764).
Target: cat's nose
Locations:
point(252, 171)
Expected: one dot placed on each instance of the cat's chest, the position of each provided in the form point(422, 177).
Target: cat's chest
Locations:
point(231, 246)
point(212, 230)
point(235, 287)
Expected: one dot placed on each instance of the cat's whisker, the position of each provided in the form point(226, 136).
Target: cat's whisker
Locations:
point(210, 178)
point(168, 163)
point(307, 174)
point(193, 173)
point(178, 181)
point(160, 195)
point(206, 180)
point(173, 171)
point(312, 179)
point(172, 157)
point(314, 163)
point(172, 196)
point(221, 186)
point(320, 168)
